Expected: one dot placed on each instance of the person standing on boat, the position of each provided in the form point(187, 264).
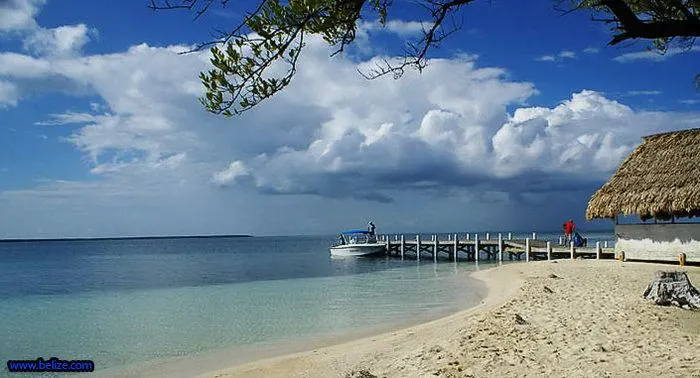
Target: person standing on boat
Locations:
point(372, 236)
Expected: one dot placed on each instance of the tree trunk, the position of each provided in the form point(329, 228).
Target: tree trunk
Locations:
point(672, 288)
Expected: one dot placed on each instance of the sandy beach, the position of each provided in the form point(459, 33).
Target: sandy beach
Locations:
point(559, 318)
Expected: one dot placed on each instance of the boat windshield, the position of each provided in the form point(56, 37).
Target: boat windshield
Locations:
point(358, 237)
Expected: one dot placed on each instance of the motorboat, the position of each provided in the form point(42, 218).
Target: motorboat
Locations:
point(357, 243)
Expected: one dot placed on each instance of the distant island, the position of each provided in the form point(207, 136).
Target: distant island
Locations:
point(124, 238)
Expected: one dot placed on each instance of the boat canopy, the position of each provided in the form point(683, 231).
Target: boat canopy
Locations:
point(352, 232)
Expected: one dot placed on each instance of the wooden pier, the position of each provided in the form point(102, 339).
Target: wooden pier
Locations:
point(476, 247)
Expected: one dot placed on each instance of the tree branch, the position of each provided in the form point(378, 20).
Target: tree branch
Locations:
point(633, 27)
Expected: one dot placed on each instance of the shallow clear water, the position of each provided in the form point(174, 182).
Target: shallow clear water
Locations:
point(126, 302)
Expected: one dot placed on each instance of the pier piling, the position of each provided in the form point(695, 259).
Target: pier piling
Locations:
point(500, 248)
point(527, 249)
point(418, 247)
point(573, 251)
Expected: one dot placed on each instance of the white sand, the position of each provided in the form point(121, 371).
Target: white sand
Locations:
point(590, 321)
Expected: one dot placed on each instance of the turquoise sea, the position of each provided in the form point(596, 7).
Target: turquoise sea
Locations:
point(134, 306)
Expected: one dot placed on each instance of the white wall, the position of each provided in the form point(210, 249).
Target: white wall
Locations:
point(663, 242)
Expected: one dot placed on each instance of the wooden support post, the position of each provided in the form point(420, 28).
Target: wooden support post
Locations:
point(388, 245)
point(561, 241)
point(435, 248)
point(598, 250)
point(456, 247)
point(510, 236)
point(449, 237)
point(500, 248)
point(396, 237)
point(527, 249)
point(573, 251)
point(549, 250)
point(467, 236)
point(605, 244)
point(418, 247)
point(476, 247)
point(488, 236)
point(403, 245)
point(534, 236)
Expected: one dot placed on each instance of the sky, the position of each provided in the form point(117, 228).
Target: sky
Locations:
point(519, 117)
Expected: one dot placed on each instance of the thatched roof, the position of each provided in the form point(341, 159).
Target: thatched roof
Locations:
point(660, 179)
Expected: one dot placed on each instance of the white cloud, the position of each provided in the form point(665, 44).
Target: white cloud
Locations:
point(60, 41)
point(18, 15)
point(690, 102)
point(331, 124)
point(567, 55)
point(399, 27)
point(546, 58)
point(558, 57)
point(644, 93)
point(591, 50)
point(228, 175)
point(8, 94)
point(653, 55)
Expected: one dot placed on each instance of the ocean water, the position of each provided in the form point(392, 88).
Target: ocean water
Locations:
point(138, 302)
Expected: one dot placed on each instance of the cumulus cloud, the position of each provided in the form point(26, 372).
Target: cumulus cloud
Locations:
point(60, 41)
point(335, 134)
point(653, 55)
point(228, 175)
point(591, 50)
point(18, 15)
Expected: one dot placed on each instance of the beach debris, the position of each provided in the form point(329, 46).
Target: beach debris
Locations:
point(552, 275)
point(519, 320)
point(547, 290)
point(364, 373)
point(672, 288)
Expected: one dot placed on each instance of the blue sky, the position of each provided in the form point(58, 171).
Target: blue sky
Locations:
point(520, 116)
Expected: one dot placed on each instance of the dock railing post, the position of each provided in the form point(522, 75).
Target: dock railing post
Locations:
point(488, 236)
point(388, 245)
point(605, 244)
point(467, 236)
point(510, 236)
point(403, 245)
point(476, 247)
point(456, 247)
point(500, 248)
point(573, 252)
point(527, 249)
point(435, 248)
point(598, 250)
point(549, 250)
point(561, 241)
point(534, 236)
point(418, 247)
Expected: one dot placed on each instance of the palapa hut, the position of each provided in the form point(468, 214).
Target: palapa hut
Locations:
point(659, 180)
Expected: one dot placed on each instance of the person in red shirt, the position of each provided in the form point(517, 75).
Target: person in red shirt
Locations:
point(569, 228)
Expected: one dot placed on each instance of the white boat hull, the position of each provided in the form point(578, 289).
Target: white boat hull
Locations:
point(357, 249)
